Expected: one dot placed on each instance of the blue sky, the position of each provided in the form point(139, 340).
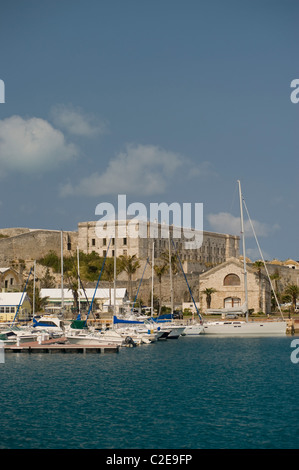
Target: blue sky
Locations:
point(161, 100)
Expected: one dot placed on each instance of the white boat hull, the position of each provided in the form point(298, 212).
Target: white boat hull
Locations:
point(237, 328)
point(193, 330)
point(174, 331)
point(95, 339)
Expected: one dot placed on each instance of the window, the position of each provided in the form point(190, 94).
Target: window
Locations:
point(11, 281)
point(93, 242)
point(69, 244)
point(104, 241)
point(231, 280)
point(230, 302)
point(124, 241)
point(104, 253)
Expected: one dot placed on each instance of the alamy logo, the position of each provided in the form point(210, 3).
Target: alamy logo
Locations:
point(137, 226)
point(2, 357)
point(295, 93)
point(295, 353)
point(2, 91)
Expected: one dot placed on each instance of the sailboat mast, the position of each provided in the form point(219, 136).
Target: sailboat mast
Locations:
point(170, 273)
point(152, 298)
point(244, 252)
point(79, 297)
point(62, 291)
point(33, 304)
point(115, 245)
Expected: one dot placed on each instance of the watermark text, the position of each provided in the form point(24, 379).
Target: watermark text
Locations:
point(295, 93)
point(2, 91)
point(180, 221)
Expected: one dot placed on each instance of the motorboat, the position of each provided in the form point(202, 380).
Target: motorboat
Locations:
point(50, 324)
point(16, 334)
point(95, 338)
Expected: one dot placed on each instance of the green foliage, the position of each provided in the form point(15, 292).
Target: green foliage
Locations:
point(90, 266)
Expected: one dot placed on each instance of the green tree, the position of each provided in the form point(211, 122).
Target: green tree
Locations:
point(258, 265)
point(47, 281)
point(40, 302)
point(160, 270)
point(129, 264)
point(209, 291)
point(293, 291)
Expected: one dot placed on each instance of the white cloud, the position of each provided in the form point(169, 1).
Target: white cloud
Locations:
point(76, 122)
point(140, 169)
point(225, 222)
point(32, 144)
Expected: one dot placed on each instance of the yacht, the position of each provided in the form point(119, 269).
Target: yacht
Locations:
point(246, 328)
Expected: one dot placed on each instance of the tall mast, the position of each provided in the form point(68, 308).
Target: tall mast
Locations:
point(115, 245)
point(78, 261)
point(33, 306)
point(152, 298)
point(244, 252)
point(62, 291)
point(170, 272)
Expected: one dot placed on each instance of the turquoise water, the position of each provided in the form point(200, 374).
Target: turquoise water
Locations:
point(190, 393)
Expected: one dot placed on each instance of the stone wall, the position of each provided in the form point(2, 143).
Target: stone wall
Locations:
point(35, 244)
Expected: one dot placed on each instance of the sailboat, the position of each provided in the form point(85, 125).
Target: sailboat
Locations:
point(169, 329)
point(245, 328)
point(194, 328)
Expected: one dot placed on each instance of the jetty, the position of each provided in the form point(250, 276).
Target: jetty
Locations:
point(60, 345)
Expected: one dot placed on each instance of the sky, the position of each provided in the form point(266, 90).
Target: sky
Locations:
point(158, 100)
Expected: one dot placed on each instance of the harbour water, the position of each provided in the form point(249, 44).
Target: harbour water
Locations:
point(189, 393)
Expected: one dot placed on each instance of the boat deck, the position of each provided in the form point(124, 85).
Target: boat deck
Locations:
point(59, 345)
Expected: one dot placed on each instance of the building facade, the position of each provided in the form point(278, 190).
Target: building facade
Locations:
point(228, 281)
point(14, 306)
point(142, 238)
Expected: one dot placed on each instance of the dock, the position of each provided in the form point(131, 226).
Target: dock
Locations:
point(60, 345)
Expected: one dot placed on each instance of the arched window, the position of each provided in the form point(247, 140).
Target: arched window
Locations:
point(231, 280)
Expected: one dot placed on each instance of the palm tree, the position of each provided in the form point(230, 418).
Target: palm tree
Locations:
point(208, 293)
point(40, 302)
point(73, 286)
point(293, 291)
point(129, 264)
point(160, 270)
point(173, 261)
point(258, 266)
point(275, 277)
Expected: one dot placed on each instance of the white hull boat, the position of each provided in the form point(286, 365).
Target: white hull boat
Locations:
point(50, 324)
point(193, 330)
point(88, 338)
point(242, 328)
point(174, 331)
point(16, 335)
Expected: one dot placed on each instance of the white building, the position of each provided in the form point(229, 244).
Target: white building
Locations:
point(103, 298)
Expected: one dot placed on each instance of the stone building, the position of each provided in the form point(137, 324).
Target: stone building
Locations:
point(31, 244)
point(10, 279)
point(138, 239)
point(228, 280)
